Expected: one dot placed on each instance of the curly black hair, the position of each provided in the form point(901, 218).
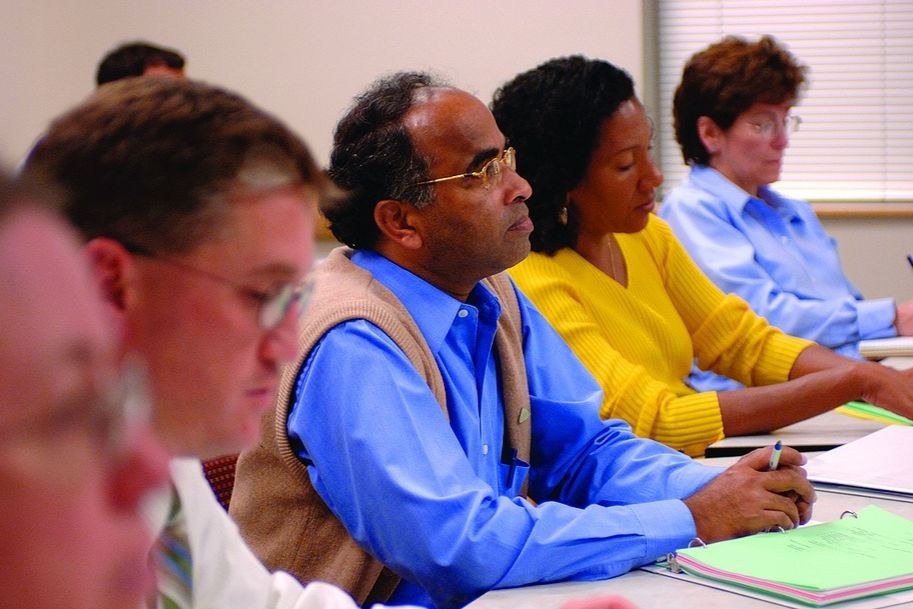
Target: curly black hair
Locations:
point(552, 115)
point(373, 158)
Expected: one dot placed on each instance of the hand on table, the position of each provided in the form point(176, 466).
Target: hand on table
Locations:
point(747, 498)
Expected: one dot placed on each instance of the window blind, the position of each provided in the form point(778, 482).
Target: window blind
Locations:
point(855, 143)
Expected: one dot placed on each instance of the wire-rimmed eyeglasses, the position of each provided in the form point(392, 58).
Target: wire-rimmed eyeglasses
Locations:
point(272, 305)
point(489, 173)
point(769, 128)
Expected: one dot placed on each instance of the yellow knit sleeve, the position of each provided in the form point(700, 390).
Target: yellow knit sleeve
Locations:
point(728, 337)
point(687, 423)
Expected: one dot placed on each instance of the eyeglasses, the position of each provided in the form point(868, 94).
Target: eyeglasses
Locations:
point(490, 172)
point(88, 428)
point(272, 305)
point(769, 128)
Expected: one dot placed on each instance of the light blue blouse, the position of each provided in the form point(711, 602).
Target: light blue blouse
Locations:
point(773, 252)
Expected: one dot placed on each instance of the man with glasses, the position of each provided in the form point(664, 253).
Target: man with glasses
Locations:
point(198, 211)
point(436, 438)
point(76, 456)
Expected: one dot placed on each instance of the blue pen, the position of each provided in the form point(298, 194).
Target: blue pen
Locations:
point(775, 456)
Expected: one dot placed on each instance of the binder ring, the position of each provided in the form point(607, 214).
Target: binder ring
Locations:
point(697, 541)
point(774, 529)
point(848, 513)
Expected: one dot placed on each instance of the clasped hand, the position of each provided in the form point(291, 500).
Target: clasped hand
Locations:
point(747, 498)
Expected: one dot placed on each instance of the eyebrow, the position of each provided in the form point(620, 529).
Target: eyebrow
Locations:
point(763, 113)
point(481, 158)
point(276, 270)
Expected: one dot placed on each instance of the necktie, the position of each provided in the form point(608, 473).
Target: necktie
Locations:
point(174, 567)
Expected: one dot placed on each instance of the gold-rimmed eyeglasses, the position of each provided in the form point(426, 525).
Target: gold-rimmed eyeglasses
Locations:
point(769, 128)
point(272, 305)
point(489, 173)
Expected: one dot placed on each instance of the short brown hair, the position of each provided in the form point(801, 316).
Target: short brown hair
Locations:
point(726, 79)
point(147, 161)
point(17, 193)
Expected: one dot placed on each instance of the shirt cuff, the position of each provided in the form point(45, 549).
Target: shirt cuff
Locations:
point(667, 526)
point(690, 423)
point(780, 354)
point(875, 318)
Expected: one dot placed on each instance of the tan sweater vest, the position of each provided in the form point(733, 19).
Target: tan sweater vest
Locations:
point(280, 514)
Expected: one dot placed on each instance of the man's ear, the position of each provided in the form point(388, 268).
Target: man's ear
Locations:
point(110, 264)
point(396, 221)
point(710, 133)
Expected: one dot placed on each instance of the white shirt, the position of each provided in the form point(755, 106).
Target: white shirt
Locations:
point(226, 574)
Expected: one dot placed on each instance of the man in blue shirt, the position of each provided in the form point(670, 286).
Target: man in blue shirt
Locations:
point(437, 414)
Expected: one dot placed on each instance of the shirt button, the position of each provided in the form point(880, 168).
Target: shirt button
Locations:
point(485, 449)
point(463, 313)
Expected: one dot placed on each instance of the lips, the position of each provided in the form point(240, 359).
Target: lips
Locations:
point(522, 224)
point(648, 206)
point(263, 396)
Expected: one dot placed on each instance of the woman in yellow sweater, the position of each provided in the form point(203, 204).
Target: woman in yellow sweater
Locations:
point(615, 282)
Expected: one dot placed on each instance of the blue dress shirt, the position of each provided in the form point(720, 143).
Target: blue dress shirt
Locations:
point(438, 502)
point(773, 252)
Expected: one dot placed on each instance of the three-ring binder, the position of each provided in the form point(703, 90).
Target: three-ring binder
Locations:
point(861, 554)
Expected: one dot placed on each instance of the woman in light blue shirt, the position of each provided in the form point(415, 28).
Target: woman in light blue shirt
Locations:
point(733, 118)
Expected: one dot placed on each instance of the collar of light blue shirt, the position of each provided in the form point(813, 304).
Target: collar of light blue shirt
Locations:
point(432, 309)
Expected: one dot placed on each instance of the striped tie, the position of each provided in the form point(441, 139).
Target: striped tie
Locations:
point(174, 567)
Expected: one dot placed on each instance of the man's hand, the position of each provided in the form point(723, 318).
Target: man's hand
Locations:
point(747, 498)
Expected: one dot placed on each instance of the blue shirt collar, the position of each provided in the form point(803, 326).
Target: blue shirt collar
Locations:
point(432, 309)
point(709, 179)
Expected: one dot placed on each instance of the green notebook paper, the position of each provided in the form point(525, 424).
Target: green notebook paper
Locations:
point(864, 410)
point(818, 565)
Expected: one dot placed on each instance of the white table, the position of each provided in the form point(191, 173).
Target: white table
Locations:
point(822, 432)
point(652, 591)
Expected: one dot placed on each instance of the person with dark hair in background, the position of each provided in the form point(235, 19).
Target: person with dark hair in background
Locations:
point(733, 116)
point(77, 457)
point(616, 284)
point(139, 59)
point(198, 211)
point(435, 438)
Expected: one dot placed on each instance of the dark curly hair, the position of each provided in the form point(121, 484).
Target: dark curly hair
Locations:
point(552, 115)
point(373, 158)
point(133, 58)
point(724, 80)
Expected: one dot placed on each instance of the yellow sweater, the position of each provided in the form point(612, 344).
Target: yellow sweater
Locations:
point(639, 341)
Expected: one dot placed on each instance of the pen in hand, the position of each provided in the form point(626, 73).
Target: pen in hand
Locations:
point(775, 456)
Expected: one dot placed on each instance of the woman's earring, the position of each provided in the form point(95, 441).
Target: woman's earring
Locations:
point(562, 216)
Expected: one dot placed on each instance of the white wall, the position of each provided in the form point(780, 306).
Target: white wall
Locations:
point(302, 60)
point(874, 251)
